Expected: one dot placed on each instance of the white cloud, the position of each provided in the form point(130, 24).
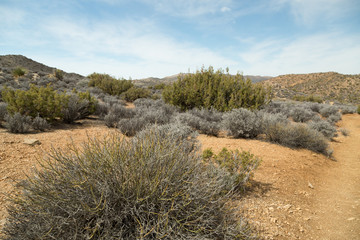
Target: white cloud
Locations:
point(138, 48)
point(225, 9)
point(315, 53)
point(189, 8)
point(314, 11)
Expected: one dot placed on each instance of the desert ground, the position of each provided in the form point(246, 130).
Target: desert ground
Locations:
point(295, 194)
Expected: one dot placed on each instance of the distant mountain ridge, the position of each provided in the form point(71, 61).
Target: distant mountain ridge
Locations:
point(328, 85)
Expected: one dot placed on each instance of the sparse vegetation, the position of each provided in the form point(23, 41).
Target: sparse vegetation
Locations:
point(222, 91)
point(153, 186)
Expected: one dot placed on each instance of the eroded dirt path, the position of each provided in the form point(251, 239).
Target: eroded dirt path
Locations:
point(337, 205)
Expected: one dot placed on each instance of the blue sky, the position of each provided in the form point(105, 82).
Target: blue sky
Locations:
point(143, 38)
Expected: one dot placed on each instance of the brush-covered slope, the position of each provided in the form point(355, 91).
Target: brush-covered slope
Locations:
point(328, 85)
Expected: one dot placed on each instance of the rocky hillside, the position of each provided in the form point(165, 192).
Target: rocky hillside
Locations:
point(36, 73)
point(328, 85)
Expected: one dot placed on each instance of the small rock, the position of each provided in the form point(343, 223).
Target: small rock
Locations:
point(31, 141)
point(287, 207)
point(351, 219)
point(271, 209)
point(273, 220)
point(310, 185)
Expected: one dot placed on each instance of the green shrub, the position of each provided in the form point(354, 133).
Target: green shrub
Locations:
point(310, 98)
point(18, 72)
point(59, 74)
point(48, 104)
point(42, 101)
point(207, 154)
point(358, 109)
point(240, 165)
point(109, 84)
point(220, 90)
point(153, 186)
point(135, 93)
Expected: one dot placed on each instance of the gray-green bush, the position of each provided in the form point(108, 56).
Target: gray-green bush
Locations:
point(297, 135)
point(153, 186)
point(241, 123)
point(323, 127)
point(18, 123)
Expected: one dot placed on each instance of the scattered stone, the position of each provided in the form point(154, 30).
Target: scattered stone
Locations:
point(287, 207)
point(351, 219)
point(271, 209)
point(31, 141)
point(273, 220)
point(3, 178)
point(310, 185)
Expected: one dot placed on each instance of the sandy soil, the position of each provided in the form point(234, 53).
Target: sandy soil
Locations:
point(296, 194)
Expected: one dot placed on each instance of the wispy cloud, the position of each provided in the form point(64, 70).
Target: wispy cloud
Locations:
point(315, 53)
point(139, 42)
point(190, 8)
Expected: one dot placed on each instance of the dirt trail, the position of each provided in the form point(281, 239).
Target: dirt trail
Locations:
point(338, 200)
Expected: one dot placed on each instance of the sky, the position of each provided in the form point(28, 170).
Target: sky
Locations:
point(157, 38)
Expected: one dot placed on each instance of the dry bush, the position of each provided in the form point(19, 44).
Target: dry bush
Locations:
point(153, 186)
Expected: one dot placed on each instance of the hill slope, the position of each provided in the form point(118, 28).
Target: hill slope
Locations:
point(329, 85)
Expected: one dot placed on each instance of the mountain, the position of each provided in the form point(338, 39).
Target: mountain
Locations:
point(328, 85)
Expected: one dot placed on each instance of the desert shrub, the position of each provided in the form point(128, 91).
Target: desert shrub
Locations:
point(75, 109)
point(109, 84)
point(323, 127)
point(328, 110)
point(148, 187)
point(297, 136)
point(334, 118)
point(134, 93)
point(207, 88)
point(315, 107)
point(18, 72)
point(102, 109)
point(207, 154)
point(346, 109)
point(131, 126)
point(3, 111)
point(211, 115)
point(358, 109)
point(344, 132)
point(116, 113)
point(59, 74)
point(18, 123)
point(240, 165)
point(38, 123)
point(269, 119)
point(45, 102)
point(316, 118)
point(301, 114)
point(310, 98)
point(241, 123)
